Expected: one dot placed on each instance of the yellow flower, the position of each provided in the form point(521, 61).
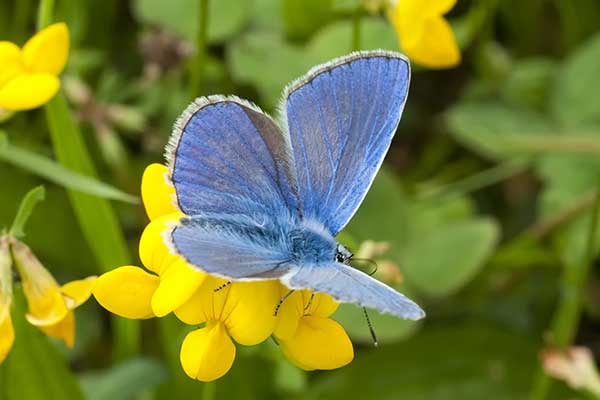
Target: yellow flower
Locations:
point(130, 291)
point(241, 310)
point(308, 338)
point(424, 35)
point(50, 305)
point(29, 76)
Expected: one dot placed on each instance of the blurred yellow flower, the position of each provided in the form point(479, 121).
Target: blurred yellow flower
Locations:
point(29, 76)
point(306, 334)
point(50, 306)
point(424, 35)
point(243, 312)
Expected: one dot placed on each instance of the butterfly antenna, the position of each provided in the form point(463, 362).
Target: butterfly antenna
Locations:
point(373, 335)
point(280, 302)
point(223, 286)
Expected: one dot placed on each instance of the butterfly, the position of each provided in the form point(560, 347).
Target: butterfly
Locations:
point(265, 199)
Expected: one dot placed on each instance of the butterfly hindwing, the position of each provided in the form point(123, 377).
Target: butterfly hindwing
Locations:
point(233, 246)
point(341, 119)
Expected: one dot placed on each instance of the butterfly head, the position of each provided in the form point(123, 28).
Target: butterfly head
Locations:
point(343, 255)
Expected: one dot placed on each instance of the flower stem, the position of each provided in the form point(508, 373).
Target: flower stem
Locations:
point(45, 12)
point(197, 65)
point(477, 181)
point(568, 314)
point(209, 391)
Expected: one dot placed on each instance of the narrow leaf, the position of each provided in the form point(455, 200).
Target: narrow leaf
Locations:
point(26, 207)
point(96, 217)
point(54, 172)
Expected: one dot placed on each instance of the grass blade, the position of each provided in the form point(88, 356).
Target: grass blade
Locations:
point(95, 215)
point(54, 172)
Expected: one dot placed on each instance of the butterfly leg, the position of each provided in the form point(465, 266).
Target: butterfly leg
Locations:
point(223, 286)
point(280, 302)
point(312, 296)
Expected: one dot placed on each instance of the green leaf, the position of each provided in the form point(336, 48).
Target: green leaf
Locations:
point(466, 361)
point(267, 61)
point(54, 172)
point(225, 18)
point(447, 259)
point(26, 207)
point(498, 131)
point(96, 217)
point(303, 17)
point(576, 97)
point(529, 81)
point(383, 215)
point(34, 368)
point(123, 381)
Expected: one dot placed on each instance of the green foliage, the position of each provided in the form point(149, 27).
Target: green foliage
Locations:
point(26, 207)
point(484, 199)
point(463, 362)
point(35, 368)
point(180, 16)
point(96, 218)
point(56, 173)
point(450, 257)
point(123, 381)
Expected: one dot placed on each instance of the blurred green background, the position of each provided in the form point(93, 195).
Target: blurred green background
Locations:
point(484, 200)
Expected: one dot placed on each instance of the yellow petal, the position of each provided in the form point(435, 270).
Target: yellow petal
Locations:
point(436, 47)
point(47, 51)
point(177, 284)
point(7, 333)
point(208, 353)
point(249, 311)
point(319, 343)
point(321, 304)
point(205, 304)
point(26, 91)
point(126, 291)
point(10, 61)
point(158, 194)
point(63, 330)
point(289, 314)
point(44, 298)
point(153, 250)
point(298, 305)
point(79, 291)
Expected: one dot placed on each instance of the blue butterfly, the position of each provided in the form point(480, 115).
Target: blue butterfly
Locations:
point(264, 200)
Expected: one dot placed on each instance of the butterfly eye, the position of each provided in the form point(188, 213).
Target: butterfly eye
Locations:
point(342, 254)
